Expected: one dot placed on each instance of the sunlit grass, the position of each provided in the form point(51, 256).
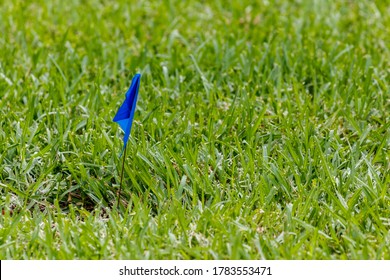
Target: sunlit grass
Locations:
point(261, 130)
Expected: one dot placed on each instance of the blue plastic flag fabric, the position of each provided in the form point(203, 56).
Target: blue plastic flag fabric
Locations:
point(124, 116)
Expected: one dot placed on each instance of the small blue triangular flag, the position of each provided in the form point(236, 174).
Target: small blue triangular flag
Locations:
point(124, 116)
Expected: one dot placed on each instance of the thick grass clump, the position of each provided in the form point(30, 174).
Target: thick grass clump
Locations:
point(262, 130)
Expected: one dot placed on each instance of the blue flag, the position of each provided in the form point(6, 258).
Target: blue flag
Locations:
point(124, 116)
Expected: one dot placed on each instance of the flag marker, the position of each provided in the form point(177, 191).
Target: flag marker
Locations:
point(124, 117)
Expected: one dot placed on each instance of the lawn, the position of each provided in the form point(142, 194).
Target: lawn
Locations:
point(261, 130)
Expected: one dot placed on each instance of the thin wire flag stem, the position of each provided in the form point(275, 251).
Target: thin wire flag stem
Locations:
point(123, 168)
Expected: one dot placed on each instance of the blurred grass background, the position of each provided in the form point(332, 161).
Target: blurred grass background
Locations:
point(262, 129)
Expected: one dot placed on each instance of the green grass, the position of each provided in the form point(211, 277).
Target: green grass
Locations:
point(262, 130)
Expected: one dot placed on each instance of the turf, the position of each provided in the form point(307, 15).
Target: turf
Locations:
point(261, 132)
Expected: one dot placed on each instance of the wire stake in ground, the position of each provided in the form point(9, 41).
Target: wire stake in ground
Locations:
point(123, 168)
